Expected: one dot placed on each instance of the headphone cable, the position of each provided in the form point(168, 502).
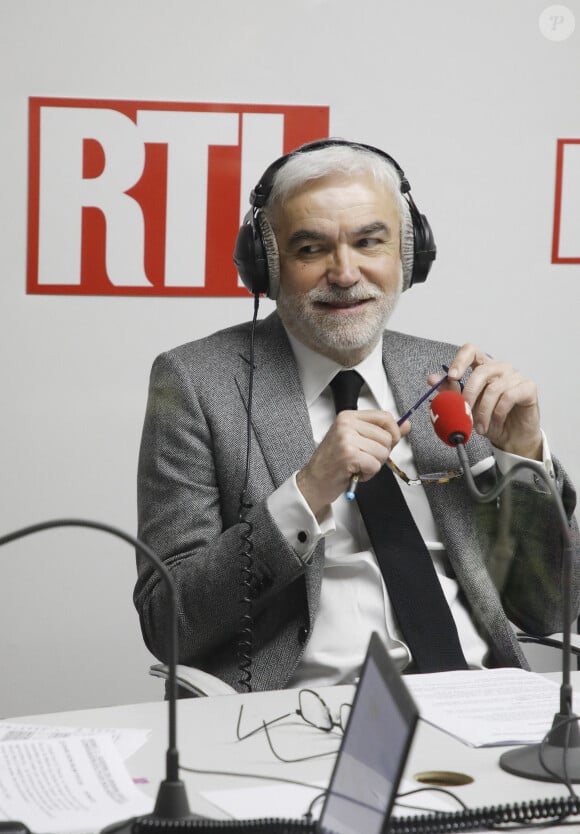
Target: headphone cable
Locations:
point(246, 631)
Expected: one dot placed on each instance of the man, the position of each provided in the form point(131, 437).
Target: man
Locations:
point(268, 556)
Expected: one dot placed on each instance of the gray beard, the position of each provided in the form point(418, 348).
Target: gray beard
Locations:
point(346, 340)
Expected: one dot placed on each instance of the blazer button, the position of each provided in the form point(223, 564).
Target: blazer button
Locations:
point(302, 635)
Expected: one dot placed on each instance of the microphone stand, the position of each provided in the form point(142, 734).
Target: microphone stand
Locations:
point(557, 758)
point(171, 802)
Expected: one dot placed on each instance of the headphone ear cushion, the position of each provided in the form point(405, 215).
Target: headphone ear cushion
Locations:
point(418, 248)
point(407, 247)
point(250, 257)
point(271, 252)
point(425, 249)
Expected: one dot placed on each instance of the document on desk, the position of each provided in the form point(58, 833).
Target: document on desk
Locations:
point(75, 784)
point(127, 741)
point(487, 707)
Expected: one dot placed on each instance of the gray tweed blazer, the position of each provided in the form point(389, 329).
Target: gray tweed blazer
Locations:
point(507, 557)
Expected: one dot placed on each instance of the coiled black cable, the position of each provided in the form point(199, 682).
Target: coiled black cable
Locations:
point(510, 817)
point(259, 826)
point(525, 814)
point(246, 629)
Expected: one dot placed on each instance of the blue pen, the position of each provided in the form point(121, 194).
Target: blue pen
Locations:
point(353, 483)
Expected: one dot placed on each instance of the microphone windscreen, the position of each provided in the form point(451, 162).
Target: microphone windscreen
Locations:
point(451, 416)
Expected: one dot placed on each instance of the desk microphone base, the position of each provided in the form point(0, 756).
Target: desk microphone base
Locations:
point(561, 755)
point(171, 807)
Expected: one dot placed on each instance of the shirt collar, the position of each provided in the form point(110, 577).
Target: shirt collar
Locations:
point(316, 371)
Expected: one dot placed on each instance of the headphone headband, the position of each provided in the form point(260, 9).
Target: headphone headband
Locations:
point(261, 192)
point(256, 250)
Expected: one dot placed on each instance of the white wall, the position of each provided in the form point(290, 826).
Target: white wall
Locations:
point(469, 97)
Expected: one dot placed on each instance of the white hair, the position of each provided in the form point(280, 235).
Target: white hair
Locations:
point(350, 160)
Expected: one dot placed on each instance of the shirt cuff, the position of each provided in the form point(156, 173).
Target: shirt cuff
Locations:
point(506, 461)
point(296, 521)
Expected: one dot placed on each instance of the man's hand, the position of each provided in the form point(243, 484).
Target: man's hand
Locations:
point(358, 442)
point(503, 402)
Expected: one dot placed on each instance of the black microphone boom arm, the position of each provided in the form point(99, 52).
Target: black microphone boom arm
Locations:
point(171, 802)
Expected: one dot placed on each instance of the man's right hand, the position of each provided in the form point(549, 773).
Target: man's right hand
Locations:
point(358, 442)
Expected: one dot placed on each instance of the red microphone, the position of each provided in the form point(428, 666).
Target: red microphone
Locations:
point(451, 418)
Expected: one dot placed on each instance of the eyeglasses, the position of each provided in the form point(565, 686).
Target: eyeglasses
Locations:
point(431, 477)
point(314, 711)
point(419, 480)
point(311, 708)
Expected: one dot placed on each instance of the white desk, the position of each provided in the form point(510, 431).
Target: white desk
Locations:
point(207, 740)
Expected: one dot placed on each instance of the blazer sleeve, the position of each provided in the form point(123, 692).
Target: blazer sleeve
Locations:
point(189, 479)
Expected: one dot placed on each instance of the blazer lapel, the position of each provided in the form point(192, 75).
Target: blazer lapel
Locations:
point(281, 422)
point(279, 414)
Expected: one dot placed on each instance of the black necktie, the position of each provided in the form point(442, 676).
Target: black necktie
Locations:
point(406, 565)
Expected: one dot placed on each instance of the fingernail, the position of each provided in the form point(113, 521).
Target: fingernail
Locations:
point(453, 373)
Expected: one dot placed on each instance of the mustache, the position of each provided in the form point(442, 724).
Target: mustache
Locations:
point(333, 294)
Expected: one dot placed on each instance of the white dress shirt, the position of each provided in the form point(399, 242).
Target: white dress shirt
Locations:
point(354, 601)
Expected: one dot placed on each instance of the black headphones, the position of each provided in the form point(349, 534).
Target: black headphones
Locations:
point(256, 251)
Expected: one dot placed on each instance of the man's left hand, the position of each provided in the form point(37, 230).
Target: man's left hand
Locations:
point(503, 402)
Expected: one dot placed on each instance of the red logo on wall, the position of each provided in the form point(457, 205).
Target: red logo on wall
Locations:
point(566, 236)
point(146, 198)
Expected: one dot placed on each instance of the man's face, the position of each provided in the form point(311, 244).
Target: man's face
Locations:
point(340, 264)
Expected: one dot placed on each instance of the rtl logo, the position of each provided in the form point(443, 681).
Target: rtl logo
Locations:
point(566, 236)
point(146, 198)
